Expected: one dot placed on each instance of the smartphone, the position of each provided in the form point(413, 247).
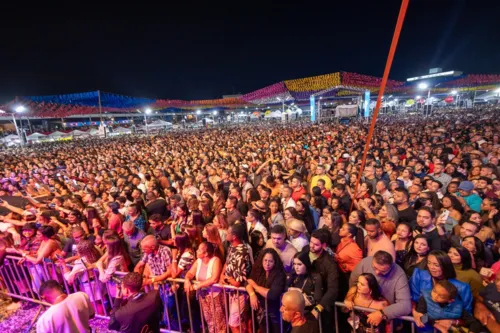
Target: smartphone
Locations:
point(444, 215)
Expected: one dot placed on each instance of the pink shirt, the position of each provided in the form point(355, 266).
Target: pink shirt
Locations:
point(383, 243)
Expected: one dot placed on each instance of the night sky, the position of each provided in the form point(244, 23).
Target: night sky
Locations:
point(202, 50)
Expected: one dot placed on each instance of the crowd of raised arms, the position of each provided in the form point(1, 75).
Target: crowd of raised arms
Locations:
point(272, 208)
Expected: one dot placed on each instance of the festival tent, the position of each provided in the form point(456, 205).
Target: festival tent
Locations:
point(57, 135)
point(158, 124)
point(79, 133)
point(36, 136)
point(11, 140)
point(93, 132)
point(273, 114)
point(122, 130)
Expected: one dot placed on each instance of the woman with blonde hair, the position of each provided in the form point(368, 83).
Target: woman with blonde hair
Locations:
point(89, 255)
point(387, 215)
point(212, 235)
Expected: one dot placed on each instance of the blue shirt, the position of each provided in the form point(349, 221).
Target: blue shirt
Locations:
point(421, 281)
point(474, 202)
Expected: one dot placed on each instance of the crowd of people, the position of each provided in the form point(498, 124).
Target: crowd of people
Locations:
point(274, 209)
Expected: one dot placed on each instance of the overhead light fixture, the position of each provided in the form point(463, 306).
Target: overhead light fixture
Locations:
point(423, 85)
point(148, 111)
point(20, 108)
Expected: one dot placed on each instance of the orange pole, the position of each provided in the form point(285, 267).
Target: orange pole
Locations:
point(388, 65)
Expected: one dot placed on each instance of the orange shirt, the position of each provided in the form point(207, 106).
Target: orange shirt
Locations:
point(348, 254)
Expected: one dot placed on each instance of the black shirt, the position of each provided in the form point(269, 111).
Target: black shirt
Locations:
point(310, 326)
point(434, 239)
point(408, 215)
point(159, 206)
point(163, 234)
point(141, 313)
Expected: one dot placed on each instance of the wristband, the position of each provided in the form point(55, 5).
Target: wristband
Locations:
point(252, 294)
point(153, 280)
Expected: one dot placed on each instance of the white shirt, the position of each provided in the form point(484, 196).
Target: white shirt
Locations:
point(289, 203)
point(4, 226)
point(69, 316)
point(258, 227)
point(299, 242)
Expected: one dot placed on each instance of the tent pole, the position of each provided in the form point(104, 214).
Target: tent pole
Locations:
point(29, 125)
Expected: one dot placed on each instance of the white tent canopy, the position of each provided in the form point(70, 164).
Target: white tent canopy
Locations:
point(80, 133)
point(122, 130)
point(11, 140)
point(159, 124)
point(274, 114)
point(57, 134)
point(36, 136)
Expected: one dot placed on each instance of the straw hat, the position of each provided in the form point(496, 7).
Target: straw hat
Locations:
point(296, 225)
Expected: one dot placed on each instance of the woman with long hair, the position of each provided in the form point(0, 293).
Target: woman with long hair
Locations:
point(439, 267)
point(183, 257)
point(417, 255)
point(462, 261)
point(332, 222)
point(211, 234)
point(206, 271)
point(75, 218)
point(267, 282)
point(455, 211)
point(402, 242)
point(358, 219)
point(476, 249)
point(181, 218)
point(366, 293)
point(89, 255)
point(112, 261)
point(220, 221)
point(304, 279)
point(48, 248)
point(305, 214)
point(206, 205)
point(290, 213)
point(347, 255)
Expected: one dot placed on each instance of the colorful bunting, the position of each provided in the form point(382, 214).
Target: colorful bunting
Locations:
point(319, 82)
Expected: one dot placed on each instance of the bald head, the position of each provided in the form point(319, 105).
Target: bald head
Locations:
point(149, 244)
point(291, 303)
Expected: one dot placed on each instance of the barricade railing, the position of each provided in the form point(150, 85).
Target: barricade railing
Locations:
point(23, 282)
point(369, 310)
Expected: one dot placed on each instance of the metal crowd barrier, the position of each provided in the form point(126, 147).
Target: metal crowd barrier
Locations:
point(23, 282)
point(360, 308)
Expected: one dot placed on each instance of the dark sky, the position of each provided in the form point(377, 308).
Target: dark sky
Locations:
point(202, 50)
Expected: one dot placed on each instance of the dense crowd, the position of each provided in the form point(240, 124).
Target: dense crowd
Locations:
point(274, 208)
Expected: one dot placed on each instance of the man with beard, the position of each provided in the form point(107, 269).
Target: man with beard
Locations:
point(324, 265)
point(377, 239)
